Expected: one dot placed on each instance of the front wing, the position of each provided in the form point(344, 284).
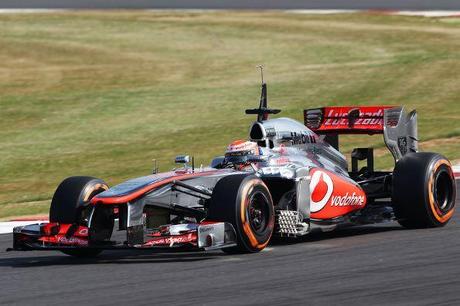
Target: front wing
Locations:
point(54, 236)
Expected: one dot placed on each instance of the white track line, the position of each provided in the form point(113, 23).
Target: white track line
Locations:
point(30, 11)
point(433, 14)
point(429, 13)
point(456, 171)
point(383, 12)
point(322, 12)
point(7, 227)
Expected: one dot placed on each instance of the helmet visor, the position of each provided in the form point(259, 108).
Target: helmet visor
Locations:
point(238, 157)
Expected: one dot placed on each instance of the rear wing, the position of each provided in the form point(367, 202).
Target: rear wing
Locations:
point(346, 119)
point(398, 128)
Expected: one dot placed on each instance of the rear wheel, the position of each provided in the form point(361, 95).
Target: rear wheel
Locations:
point(70, 205)
point(246, 203)
point(423, 190)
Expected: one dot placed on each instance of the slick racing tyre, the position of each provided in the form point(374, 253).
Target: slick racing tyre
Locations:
point(70, 205)
point(246, 203)
point(423, 190)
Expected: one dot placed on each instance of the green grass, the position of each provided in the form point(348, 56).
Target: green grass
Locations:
point(101, 94)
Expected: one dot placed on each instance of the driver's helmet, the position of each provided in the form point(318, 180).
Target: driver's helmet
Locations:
point(238, 151)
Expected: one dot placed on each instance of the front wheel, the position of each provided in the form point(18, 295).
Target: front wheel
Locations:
point(246, 203)
point(424, 190)
point(71, 205)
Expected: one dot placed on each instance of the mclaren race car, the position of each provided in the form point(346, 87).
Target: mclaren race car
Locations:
point(288, 179)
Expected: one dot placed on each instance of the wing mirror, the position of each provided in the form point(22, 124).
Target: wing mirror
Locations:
point(185, 159)
point(182, 159)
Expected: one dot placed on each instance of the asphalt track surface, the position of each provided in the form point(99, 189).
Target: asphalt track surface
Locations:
point(371, 265)
point(235, 4)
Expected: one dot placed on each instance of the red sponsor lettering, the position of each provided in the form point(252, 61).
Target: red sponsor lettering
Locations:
point(171, 240)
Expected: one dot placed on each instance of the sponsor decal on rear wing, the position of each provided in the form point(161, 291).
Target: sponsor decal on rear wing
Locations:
point(346, 119)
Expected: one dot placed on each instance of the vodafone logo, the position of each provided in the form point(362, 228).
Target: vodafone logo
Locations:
point(348, 200)
point(321, 188)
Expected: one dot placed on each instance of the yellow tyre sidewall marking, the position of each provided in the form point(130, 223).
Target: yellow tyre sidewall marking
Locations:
point(243, 206)
point(434, 209)
point(92, 188)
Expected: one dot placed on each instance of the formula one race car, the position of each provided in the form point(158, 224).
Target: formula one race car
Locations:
point(288, 180)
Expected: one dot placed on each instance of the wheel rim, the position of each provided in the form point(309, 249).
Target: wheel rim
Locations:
point(258, 212)
point(443, 191)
